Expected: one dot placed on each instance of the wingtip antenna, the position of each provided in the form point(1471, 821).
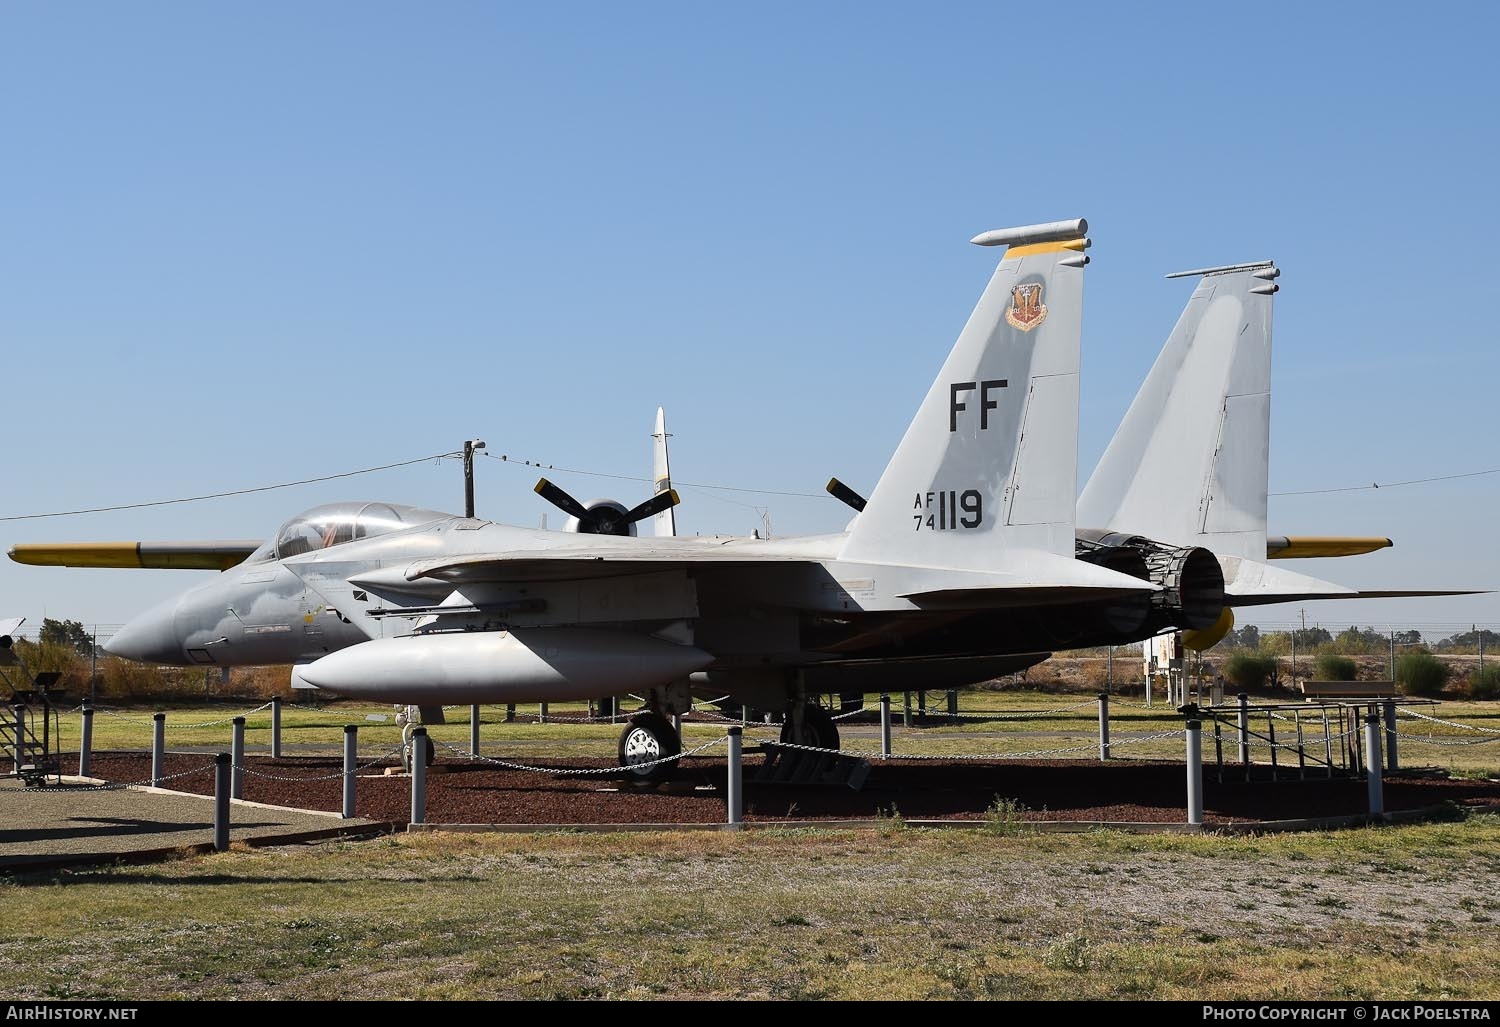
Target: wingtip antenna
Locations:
point(1266, 269)
point(1052, 231)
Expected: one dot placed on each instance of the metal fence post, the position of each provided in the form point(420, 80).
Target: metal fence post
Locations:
point(276, 727)
point(86, 746)
point(222, 773)
point(736, 791)
point(351, 749)
point(1195, 772)
point(541, 713)
point(906, 711)
point(1301, 749)
point(419, 776)
point(1104, 725)
point(474, 729)
point(953, 704)
point(1392, 762)
point(237, 757)
point(19, 726)
point(158, 746)
point(510, 712)
point(1372, 765)
point(885, 726)
point(1244, 728)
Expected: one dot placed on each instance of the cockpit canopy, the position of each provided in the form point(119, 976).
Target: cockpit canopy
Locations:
point(336, 523)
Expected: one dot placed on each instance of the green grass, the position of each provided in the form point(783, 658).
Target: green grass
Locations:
point(904, 914)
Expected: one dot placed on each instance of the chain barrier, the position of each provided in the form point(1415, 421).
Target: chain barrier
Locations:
point(1033, 754)
point(1447, 723)
point(1448, 740)
point(323, 777)
point(114, 786)
point(939, 712)
point(149, 723)
point(581, 771)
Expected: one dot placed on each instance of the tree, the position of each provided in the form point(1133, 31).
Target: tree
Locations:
point(1308, 638)
point(1247, 637)
point(68, 633)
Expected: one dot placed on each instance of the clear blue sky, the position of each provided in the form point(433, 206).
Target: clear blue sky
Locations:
point(247, 243)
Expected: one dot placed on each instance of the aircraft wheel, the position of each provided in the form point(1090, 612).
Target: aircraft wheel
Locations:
point(647, 738)
point(817, 728)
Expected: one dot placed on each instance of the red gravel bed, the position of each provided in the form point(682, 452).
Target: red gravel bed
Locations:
point(1069, 790)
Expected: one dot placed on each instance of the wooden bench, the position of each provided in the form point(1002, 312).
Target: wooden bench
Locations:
point(1349, 689)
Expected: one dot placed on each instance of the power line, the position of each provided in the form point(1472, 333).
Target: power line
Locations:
point(675, 483)
point(234, 492)
point(1389, 484)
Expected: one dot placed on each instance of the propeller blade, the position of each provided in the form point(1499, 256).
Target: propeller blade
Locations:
point(560, 499)
point(844, 494)
point(663, 500)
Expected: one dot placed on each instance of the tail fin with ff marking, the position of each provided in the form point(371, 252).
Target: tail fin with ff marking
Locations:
point(663, 524)
point(1189, 463)
point(989, 463)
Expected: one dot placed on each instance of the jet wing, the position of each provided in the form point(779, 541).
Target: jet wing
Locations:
point(203, 556)
point(592, 561)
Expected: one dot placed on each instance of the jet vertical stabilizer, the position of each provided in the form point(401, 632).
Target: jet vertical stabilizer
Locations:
point(1188, 464)
point(989, 463)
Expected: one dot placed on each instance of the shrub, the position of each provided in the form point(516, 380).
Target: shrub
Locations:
point(1005, 816)
point(1332, 667)
point(1421, 674)
point(1249, 671)
point(1485, 684)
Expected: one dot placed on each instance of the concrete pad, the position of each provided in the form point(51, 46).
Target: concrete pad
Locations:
point(78, 824)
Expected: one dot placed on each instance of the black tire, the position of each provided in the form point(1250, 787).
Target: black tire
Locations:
point(818, 728)
point(647, 738)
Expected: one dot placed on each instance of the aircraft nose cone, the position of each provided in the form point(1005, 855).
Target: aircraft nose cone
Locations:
point(149, 638)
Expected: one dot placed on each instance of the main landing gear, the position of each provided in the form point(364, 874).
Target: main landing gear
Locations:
point(810, 724)
point(647, 738)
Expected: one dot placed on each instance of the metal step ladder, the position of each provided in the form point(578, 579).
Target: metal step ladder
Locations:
point(31, 757)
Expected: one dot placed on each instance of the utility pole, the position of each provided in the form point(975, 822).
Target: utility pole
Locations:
point(1480, 635)
point(470, 445)
point(1393, 654)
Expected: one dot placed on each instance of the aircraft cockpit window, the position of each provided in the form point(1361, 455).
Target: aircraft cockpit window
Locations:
point(326, 526)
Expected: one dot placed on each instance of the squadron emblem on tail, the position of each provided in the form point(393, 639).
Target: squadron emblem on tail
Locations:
point(1026, 307)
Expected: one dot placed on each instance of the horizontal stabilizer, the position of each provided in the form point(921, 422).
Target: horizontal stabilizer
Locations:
point(1252, 583)
point(1307, 547)
point(200, 556)
point(1417, 593)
